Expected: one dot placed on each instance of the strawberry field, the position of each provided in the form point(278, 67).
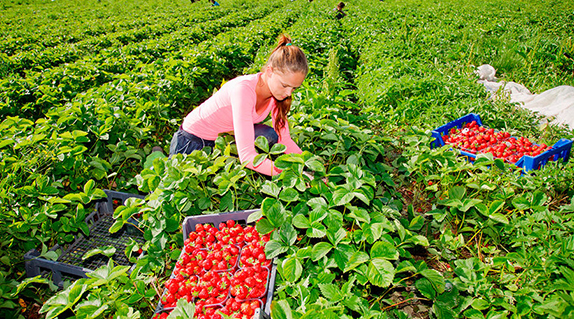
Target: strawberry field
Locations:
point(388, 226)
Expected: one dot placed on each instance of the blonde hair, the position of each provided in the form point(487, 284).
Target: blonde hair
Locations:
point(286, 57)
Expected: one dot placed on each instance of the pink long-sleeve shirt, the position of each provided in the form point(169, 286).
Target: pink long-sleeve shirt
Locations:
point(232, 108)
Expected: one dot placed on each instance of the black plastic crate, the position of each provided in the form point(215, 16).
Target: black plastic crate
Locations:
point(239, 217)
point(70, 265)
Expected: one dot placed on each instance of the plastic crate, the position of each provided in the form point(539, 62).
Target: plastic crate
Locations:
point(70, 266)
point(441, 131)
point(239, 217)
point(560, 150)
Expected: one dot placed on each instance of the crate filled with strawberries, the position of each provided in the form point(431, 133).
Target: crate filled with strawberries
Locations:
point(222, 269)
point(470, 137)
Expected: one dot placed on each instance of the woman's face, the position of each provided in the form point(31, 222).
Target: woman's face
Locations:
point(282, 84)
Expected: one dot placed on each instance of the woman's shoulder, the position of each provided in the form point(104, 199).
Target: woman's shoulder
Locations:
point(243, 82)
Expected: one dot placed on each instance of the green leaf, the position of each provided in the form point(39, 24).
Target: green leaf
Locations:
point(320, 250)
point(499, 218)
point(568, 208)
point(270, 189)
point(262, 143)
point(116, 226)
point(92, 308)
point(317, 215)
point(473, 314)
point(365, 194)
point(425, 287)
point(175, 254)
point(277, 149)
point(182, 310)
point(50, 255)
point(301, 221)
point(520, 202)
point(469, 203)
point(288, 234)
point(134, 298)
point(358, 258)
point(281, 310)
point(380, 272)
point(56, 305)
point(483, 209)
point(451, 202)
point(417, 223)
point(335, 237)
point(151, 157)
point(342, 196)
point(419, 240)
point(34, 280)
point(385, 250)
point(444, 311)
point(480, 304)
point(360, 215)
point(457, 192)
point(6, 260)
point(89, 186)
point(255, 216)
point(84, 228)
point(292, 269)
point(274, 248)
point(539, 198)
point(106, 273)
point(80, 197)
point(304, 253)
point(6, 143)
point(331, 292)
point(405, 266)
point(353, 302)
point(373, 231)
point(317, 230)
point(259, 158)
point(495, 206)
point(315, 165)
point(341, 255)
point(436, 279)
point(76, 293)
point(286, 161)
point(264, 226)
point(289, 195)
point(108, 251)
point(273, 210)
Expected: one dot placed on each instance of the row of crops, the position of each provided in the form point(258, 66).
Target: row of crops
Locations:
point(400, 230)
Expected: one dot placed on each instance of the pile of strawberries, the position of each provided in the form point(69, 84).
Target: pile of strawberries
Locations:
point(222, 270)
point(476, 139)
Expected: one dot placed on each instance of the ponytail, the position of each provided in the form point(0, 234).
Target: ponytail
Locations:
point(286, 57)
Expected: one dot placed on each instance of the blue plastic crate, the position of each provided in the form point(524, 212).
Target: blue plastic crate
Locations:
point(441, 131)
point(560, 150)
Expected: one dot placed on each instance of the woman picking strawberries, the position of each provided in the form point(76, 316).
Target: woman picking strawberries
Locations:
point(243, 103)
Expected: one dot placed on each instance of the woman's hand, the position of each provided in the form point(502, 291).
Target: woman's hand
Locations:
point(312, 177)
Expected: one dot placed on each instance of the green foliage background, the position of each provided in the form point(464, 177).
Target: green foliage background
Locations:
point(88, 87)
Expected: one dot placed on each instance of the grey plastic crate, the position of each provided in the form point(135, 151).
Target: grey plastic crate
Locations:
point(240, 217)
point(70, 265)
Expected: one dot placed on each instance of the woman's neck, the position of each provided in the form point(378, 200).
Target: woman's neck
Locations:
point(262, 89)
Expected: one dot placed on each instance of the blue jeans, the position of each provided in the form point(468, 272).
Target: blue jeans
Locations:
point(185, 143)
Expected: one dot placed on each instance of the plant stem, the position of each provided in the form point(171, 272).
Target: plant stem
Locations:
point(402, 302)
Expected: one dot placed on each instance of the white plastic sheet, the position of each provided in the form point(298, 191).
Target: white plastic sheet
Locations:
point(556, 104)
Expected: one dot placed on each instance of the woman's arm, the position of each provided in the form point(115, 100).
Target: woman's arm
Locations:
point(243, 100)
point(285, 138)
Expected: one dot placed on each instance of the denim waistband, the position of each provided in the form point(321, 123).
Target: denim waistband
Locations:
point(192, 136)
